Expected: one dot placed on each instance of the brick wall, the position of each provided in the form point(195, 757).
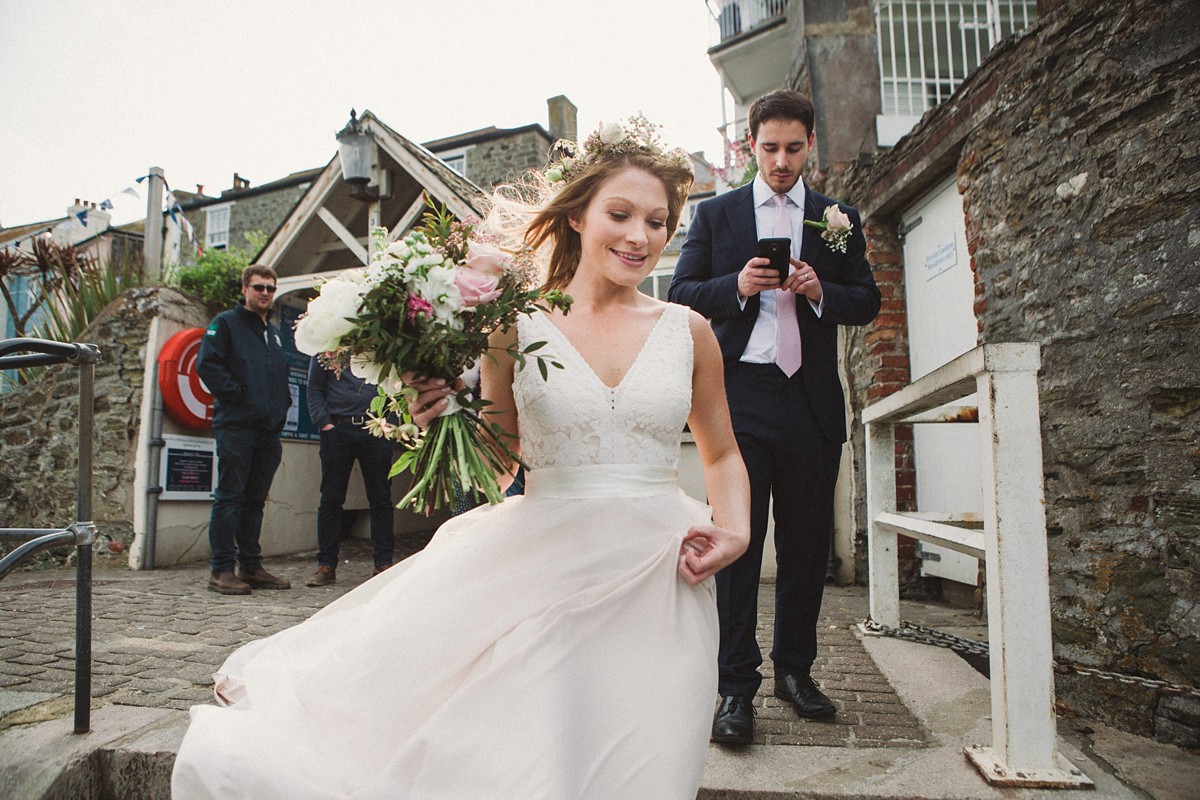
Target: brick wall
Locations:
point(877, 365)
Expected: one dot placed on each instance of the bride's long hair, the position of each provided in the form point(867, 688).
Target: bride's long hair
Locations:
point(536, 214)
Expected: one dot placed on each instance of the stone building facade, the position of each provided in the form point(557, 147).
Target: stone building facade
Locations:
point(493, 155)
point(252, 210)
point(1076, 153)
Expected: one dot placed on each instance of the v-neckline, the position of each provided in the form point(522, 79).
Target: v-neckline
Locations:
point(632, 364)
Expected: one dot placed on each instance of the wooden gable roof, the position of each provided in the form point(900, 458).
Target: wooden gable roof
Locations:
point(328, 230)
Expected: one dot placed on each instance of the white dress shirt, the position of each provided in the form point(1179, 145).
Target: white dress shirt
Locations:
point(761, 347)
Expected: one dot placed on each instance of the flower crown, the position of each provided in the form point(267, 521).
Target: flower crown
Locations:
point(613, 140)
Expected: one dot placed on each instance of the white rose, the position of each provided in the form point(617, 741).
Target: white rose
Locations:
point(328, 317)
point(612, 133)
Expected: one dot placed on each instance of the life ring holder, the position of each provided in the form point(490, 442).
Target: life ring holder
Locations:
point(185, 397)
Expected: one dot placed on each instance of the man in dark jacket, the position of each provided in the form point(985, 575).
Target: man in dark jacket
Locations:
point(778, 331)
point(242, 363)
point(338, 405)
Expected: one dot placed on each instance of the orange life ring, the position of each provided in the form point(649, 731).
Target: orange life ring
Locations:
point(185, 397)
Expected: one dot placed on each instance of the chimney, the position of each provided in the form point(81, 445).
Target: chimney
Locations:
point(239, 182)
point(199, 188)
point(563, 119)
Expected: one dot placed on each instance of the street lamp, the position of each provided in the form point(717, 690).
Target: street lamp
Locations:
point(358, 154)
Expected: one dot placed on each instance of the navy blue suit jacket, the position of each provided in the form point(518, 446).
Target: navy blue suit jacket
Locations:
point(723, 237)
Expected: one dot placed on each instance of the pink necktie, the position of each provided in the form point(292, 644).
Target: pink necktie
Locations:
point(787, 329)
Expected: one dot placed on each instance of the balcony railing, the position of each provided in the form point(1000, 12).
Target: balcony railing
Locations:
point(735, 17)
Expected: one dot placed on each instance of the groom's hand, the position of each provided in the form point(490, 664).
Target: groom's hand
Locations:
point(757, 277)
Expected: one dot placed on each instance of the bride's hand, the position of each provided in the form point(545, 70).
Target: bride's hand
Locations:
point(431, 397)
point(707, 549)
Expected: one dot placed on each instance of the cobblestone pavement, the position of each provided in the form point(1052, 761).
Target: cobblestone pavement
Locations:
point(158, 636)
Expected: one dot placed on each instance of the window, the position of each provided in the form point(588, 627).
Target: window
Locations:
point(458, 163)
point(658, 282)
point(216, 228)
point(928, 47)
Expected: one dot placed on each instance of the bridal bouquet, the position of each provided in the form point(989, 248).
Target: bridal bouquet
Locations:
point(427, 304)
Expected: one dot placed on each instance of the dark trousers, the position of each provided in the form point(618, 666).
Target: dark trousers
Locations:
point(789, 458)
point(340, 446)
point(246, 462)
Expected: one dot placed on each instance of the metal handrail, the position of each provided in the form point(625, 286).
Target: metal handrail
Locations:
point(23, 353)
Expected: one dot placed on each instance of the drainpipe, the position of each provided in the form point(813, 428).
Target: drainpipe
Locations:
point(153, 489)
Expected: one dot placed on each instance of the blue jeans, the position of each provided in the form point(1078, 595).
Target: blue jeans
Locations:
point(246, 462)
point(340, 446)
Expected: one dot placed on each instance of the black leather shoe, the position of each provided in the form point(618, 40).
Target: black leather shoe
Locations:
point(734, 721)
point(805, 696)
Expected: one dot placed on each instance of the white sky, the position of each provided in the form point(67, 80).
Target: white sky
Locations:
point(94, 93)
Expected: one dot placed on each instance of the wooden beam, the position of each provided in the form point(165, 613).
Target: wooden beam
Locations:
point(313, 199)
point(346, 236)
point(954, 380)
point(407, 219)
point(962, 540)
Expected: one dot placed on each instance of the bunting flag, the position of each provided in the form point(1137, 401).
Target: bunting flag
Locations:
point(132, 191)
point(106, 205)
point(82, 217)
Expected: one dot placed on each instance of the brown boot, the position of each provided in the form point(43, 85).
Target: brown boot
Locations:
point(227, 583)
point(261, 579)
point(381, 568)
point(322, 577)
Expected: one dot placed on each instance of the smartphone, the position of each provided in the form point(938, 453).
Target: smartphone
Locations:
point(779, 251)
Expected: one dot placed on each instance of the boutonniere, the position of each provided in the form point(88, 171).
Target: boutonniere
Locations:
point(835, 228)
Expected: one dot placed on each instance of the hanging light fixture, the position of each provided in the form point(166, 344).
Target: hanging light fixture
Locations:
point(356, 151)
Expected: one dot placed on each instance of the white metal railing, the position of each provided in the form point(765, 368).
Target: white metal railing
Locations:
point(1012, 544)
point(737, 16)
point(928, 47)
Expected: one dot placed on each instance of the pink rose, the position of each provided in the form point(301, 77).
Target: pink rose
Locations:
point(836, 219)
point(476, 287)
point(486, 258)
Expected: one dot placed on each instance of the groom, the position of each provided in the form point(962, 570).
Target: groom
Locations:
point(779, 341)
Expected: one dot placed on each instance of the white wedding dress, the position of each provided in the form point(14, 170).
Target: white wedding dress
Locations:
point(544, 648)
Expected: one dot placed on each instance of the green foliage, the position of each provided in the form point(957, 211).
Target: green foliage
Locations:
point(216, 277)
point(77, 300)
point(67, 290)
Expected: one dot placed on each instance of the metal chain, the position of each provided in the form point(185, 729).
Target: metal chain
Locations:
point(931, 636)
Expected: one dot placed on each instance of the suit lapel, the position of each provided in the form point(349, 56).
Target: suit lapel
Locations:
point(810, 246)
point(740, 215)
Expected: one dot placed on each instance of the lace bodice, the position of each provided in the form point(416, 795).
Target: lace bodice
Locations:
point(573, 419)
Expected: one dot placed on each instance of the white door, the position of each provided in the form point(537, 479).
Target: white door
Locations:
point(940, 292)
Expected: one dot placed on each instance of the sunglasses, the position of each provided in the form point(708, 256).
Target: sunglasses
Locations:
point(262, 287)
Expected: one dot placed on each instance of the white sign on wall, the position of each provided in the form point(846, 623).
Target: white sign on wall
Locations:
point(188, 468)
point(942, 257)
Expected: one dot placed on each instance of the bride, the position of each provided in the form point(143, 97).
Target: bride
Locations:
point(560, 645)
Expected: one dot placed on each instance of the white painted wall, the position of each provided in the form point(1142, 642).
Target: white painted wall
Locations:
point(940, 292)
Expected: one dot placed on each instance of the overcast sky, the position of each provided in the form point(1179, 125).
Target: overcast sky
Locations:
point(94, 93)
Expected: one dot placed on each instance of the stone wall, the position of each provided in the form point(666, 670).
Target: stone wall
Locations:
point(500, 160)
point(261, 212)
point(39, 423)
point(1078, 158)
point(1084, 226)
